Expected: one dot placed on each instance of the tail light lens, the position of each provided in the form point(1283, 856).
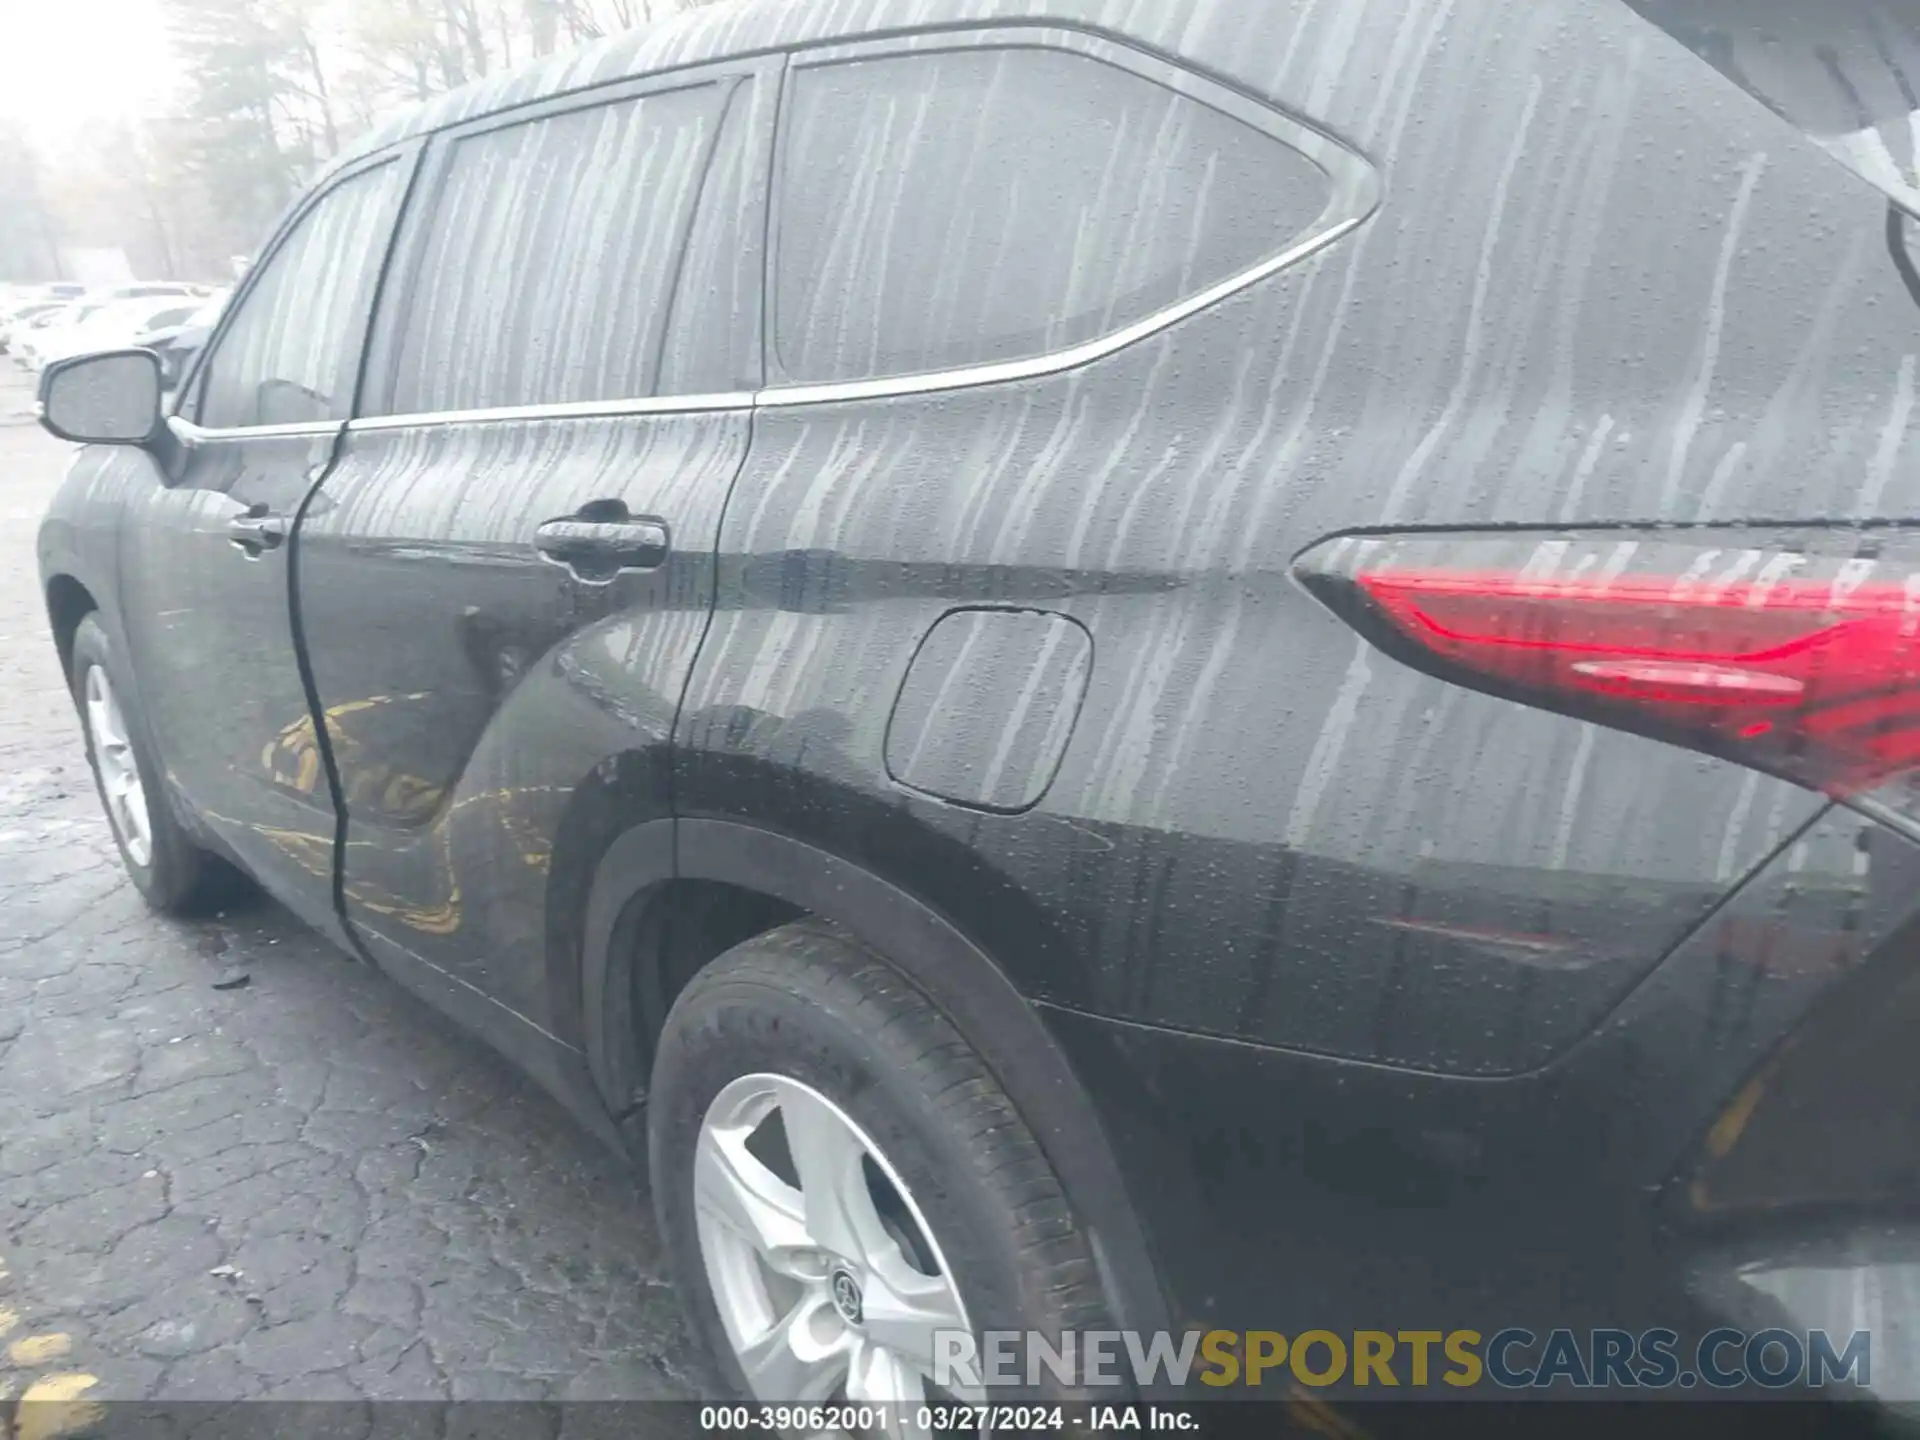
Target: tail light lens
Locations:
point(1797, 654)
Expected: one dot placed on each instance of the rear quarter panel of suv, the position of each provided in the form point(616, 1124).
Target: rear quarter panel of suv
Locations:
point(1603, 286)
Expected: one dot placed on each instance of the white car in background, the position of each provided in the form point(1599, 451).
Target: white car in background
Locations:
point(118, 325)
point(30, 335)
point(15, 298)
point(18, 319)
point(148, 289)
point(114, 325)
point(177, 344)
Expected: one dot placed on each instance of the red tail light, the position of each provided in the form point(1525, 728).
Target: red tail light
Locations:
point(1801, 659)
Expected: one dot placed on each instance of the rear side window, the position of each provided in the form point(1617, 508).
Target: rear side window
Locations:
point(292, 351)
point(551, 254)
point(940, 209)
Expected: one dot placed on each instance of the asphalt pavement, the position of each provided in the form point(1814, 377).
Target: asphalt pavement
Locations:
point(306, 1186)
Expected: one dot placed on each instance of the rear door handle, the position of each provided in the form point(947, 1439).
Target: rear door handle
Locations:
point(602, 539)
point(255, 529)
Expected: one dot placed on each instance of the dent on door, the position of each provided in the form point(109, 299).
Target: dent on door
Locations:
point(212, 637)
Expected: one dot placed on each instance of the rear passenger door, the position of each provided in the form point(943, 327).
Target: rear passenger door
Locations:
point(505, 577)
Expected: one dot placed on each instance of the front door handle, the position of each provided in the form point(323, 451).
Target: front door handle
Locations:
point(256, 529)
point(601, 539)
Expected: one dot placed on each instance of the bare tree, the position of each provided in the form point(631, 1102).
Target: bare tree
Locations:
point(29, 237)
point(555, 22)
point(257, 111)
point(268, 91)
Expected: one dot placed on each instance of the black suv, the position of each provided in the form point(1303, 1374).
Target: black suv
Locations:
point(1232, 665)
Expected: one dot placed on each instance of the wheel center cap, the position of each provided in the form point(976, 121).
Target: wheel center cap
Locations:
point(846, 1296)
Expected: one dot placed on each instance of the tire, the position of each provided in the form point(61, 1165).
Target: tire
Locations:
point(172, 874)
point(807, 1004)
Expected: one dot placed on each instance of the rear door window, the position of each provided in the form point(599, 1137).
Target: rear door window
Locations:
point(551, 256)
point(947, 208)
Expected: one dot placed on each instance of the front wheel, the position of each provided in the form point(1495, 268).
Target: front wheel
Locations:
point(849, 1197)
point(169, 870)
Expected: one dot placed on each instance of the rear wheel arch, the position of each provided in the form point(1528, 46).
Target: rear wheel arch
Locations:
point(724, 882)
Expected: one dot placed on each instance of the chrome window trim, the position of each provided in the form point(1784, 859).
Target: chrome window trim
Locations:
point(189, 433)
point(1055, 361)
point(561, 410)
point(1355, 194)
point(780, 396)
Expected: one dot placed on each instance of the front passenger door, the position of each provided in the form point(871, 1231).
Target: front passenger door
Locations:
point(205, 562)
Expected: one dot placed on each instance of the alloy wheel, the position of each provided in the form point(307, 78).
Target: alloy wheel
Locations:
point(829, 1283)
point(119, 772)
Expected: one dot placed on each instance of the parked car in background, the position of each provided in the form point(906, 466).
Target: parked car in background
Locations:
point(49, 290)
point(1245, 665)
point(17, 297)
point(95, 325)
point(144, 289)
point(62, 304)
point(20, 318)
point(116, 325)
point(176, 343)
point(24, 297)
point(43, 329)
point(49, 332)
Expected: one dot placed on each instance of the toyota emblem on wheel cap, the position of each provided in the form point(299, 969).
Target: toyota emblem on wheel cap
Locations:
point(846, 1296)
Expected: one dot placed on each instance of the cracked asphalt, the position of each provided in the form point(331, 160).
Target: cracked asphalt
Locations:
point(311, 1187)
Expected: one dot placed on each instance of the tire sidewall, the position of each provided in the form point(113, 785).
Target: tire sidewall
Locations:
point(171, 872)
point(742, 1028)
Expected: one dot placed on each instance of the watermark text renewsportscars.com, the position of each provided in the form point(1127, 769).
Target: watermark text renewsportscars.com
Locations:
point(1511, 1359)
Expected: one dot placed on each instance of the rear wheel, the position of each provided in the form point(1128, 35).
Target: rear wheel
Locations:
point(169, 870)
point(848, 1195)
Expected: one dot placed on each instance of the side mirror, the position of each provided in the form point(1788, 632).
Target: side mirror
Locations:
point(107, 399)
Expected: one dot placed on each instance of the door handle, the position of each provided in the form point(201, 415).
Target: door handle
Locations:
point(602, 539)
point(254, 530)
